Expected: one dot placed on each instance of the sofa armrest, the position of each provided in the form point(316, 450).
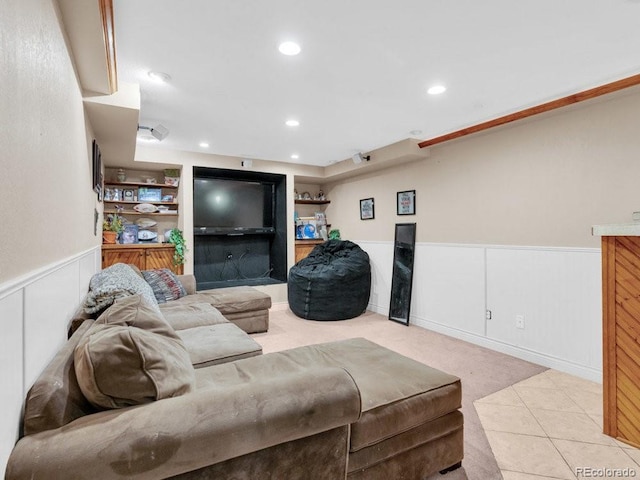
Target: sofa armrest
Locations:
point(177, 435)
point(188, 282)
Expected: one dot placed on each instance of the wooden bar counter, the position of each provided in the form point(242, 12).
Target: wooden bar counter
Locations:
point(621, 330)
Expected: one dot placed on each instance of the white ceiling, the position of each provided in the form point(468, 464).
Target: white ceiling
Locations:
point(360, 81)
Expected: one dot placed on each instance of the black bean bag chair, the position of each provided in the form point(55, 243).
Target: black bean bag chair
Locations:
point(332, 283)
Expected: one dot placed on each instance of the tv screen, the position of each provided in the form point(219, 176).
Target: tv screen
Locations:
point(229, 204)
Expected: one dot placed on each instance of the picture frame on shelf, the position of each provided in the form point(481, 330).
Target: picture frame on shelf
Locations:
point(168, 198)
point(149, 194)
point(406, 202)
point(129, 234)
point(367, 209)
point(128, 195)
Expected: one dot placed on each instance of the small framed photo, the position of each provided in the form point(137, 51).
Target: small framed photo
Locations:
point(168, 198)
point(407, 202)
point(367, 211)
point(129, 234)
point(127, 195)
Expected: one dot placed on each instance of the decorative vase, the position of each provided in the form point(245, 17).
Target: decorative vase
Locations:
point(109, 236)
point(122, 176)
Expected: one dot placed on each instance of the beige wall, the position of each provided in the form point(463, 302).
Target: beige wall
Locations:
point(540, 182)
point(46, 198)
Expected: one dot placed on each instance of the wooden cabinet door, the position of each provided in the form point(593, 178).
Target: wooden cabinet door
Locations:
point(134, 257)
point(303, 249)
point(621, 337)
point(161, 258)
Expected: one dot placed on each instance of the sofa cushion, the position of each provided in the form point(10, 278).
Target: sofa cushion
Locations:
point(214, 344)
point(114, 282)
point(165, 284)
point(55, 398)
point(133, 361)
point(188, 315)
point(236, 299)
point(136, 311)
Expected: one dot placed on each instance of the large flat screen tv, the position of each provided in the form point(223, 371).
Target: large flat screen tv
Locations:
point(229, 205)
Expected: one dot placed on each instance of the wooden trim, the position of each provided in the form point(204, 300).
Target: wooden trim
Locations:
point(108, 30)
point(609, 360)
point(545, 107)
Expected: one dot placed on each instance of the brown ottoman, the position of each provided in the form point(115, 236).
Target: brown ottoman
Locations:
point(410, 426)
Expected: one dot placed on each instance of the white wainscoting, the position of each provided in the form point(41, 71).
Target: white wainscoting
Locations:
point(35, 311)
point(557, 291)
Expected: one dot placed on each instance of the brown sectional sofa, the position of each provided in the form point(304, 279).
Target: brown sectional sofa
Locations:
point(349, 409)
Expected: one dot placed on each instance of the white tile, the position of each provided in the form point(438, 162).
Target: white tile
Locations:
point(542, 380)
point(546, 398)
point(634, 453)
point(507, 475)
point(591, 402)
point(585, 457)
point(507, 418)
point(506, 396)
point(528, 454)
point(571, 426)
point(572, 383)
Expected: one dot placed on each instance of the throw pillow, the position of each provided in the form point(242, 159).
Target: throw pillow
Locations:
point(136, 311)
point(116, 281)
point(165, 284)
point(119, 365)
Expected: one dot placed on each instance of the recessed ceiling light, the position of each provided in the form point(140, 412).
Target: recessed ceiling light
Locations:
point(159, 77)
point(295, 156)
point(203, 145)
point(289, 48)
point(436, 90)
point(416, 132)
point(292, 123)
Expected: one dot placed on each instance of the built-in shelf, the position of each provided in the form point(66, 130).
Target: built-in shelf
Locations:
point(133, 212)
point(141, 184)
point(312, 202)
point(131, 202)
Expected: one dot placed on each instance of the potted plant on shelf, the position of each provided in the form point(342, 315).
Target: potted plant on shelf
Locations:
point(176, 238)
point(172, 176)
point(111, 228)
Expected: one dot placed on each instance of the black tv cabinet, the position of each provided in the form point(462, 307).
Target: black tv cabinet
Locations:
point(228, 256)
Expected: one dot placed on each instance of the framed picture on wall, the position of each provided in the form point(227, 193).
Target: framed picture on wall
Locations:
point(367, 211)
point(407, 202)
point(96, 163)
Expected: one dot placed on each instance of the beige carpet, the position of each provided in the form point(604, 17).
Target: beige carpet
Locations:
point(482, 371)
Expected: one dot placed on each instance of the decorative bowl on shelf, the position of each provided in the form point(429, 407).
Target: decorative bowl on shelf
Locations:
point(147, 235)
point(145, 222)
point(145, 208)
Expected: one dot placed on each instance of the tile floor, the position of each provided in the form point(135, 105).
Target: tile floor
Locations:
point(549, 427)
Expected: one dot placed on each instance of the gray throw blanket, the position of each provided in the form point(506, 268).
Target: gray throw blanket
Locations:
point(114, 282)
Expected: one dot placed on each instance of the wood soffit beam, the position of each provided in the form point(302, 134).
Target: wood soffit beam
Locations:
point(108, 30)
point(535, 110)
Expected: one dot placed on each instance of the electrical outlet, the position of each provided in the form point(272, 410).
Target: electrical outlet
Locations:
point(519, 321)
